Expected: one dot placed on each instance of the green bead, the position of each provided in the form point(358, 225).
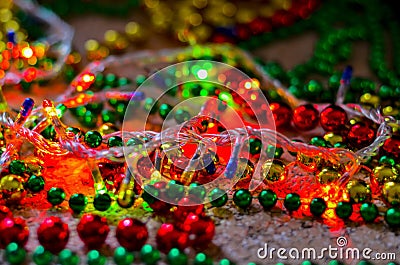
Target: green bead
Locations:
point(226, 262)
point(164, 110)
point(306, 262)
point(99, 80)
point(102, 201)
point(15, 254)
point(73, 130)
point(197, 190)
point(176, 257)
point(17, 167)
point(317, 206)
point(202, 259)
point(267, 199)
point(120, 108)
point(364, 262)
point(242, 198)
point(313, 88)
point(55, 196)
point(392, 217)
point(35, 183)
point(114, 141)
point(95, 108)
point(150, 194)
point(340, 145)
point(93, 139)
point(218, 197)
point(334, 81)
point(123, 257)
point(255, 146)
point(292, 202)
point(89, 119)
point(78, 202)
point(318, 141)
point(140, 79)
point(123, 81)
point(41, 256)
point(387, 160)
point(108, 116)
point(344, 210)
point(181, 116)
point(335, 262)
point(149, 255)
point(368, 211)
point(110, 79)
point(175, 190)
point(67, 257)
point(49, 133)
point(150, 105)
point(95, 258)
point(386, 92)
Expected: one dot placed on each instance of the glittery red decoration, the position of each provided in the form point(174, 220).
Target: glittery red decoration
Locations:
point(392, 146)
point(131, 234)
point(53, 234)
point(282, 113)
point(305, 117)
point(93, 230)
point(13, 230)
point(169, 237)
point(188, 204)
point(360, 135)
point(333, 118)
point(201, 230)
point(5, 212)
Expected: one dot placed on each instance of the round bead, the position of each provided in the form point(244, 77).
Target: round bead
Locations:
point(93, 139)
point(35, 183)
point(198, 191)
point(392, 146)
point(392, 217)
point(383, 174)
point(122, 256)
point(368, 211)
point(41, 256)
point(93, 230)
point(202, 259)
point(344, 210)
point(55, 196)
point(78, 202)
point(218, 197)
point(255, 146)
point(67, 257)
point(181, 116)
point(267, 199)
point(305, 117)
point(17, 167)
point(164, 110)
point(292, 202)
point(226, 262)
point(360, 135)
point(53, 234)
point(95, 258)
point(358, 191)
point(318, 141)
point(102, 201)
point(169, 237)
point(328, 175)
point(149, 255)
point(131, 234)
point(317, 206)
point(282, 114)
point(273, 170)
point(391, 193)
point(242, 198)
point(200, 228)
point(114, 141)
point(13, 230)
point(15, 254)
point(333, 118)
point(176, 257)
point(175, 190)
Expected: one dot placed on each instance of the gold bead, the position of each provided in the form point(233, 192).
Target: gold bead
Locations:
point(135, 32)
point(391, 193)
point(333, 138)
point(384, 174)
point(308, 163)
point(107, 128)
point(229, 9)
point(11, 188)
point(328, 175)
point(370, 100)
point(245, 168)
point(273, 170)
point(245, 15)
point(359, 191)
point(91, 45)
point(200, 3)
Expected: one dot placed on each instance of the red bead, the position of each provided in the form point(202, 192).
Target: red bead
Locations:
point(131, 234)
point(13, 230)
point(333, 118)
point(282, 113)
point(392, 146)
point(186, 205)
point(5, 212)
point(260, 25)
point(93, 230)
point(360, 135)
point(201, 230)
point(53, 234)
point(305, 117)
point(145, 167)
point(169, 237)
